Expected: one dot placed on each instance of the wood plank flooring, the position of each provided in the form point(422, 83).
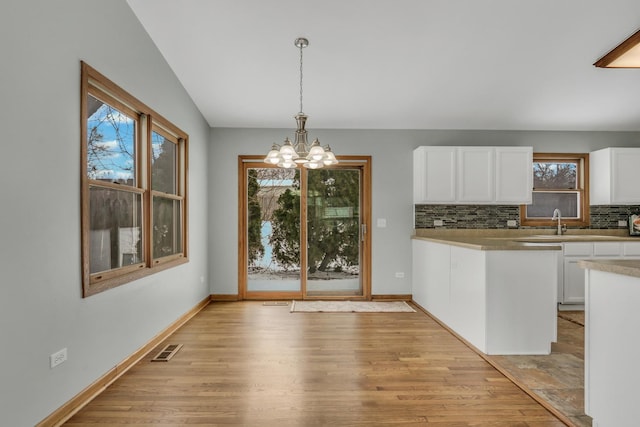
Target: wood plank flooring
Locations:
point(247, 364)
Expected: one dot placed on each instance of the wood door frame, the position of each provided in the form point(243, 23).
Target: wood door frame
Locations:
point(361, 162)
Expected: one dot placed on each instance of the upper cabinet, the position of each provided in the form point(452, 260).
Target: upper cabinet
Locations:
point(475, 175)
point(514, 175)
point(434, 174)
point(614, 176)
point(472, 175)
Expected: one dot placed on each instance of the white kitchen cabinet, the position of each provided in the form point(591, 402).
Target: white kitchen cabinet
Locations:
point(573, 282)
point(475, 175)
point(512, 184)
point(434, 175)
point(572, 286)
point(502, 302)
point(631, 249)
point(472, 175)
point(614, 176)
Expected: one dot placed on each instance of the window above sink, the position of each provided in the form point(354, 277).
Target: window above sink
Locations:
point(560, 181)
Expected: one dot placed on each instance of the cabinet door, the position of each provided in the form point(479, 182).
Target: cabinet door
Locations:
point(631, 249)
point(600, 177)
point(573, 283)
point(514, 175)
point(625, 175)
point(607, 249)
point(584, 249)
point(475, 174)
point(434, 175)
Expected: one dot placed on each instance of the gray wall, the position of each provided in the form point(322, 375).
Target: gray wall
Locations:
point(392, 152)
point(41, 307)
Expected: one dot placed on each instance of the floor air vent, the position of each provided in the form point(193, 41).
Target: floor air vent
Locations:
point(276, 303)
point(167, 353)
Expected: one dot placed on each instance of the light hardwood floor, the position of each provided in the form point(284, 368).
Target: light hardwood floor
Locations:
point(247, 364)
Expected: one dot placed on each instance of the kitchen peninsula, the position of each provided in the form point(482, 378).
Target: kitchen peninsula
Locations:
point(499, 289)
point(499, 295)
point(612, 350)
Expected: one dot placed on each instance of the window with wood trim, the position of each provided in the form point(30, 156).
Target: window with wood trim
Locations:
point(560, 181)
point(134, 187)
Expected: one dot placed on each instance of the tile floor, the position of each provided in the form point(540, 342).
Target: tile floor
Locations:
point(559, 377)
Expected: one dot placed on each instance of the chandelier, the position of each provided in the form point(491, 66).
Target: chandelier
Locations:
point(290, 155)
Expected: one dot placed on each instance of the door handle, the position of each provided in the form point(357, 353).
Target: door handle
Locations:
point(363, 231)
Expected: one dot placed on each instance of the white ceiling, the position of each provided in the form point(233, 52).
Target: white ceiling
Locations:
point(402, 64)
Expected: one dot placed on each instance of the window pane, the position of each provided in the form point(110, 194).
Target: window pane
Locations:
point(273, 229)
point(163, 164)
point(333, 231)
point(544, 204)
point(115, 227)
point(167, 231)
point(555, 175)
point(111, 137)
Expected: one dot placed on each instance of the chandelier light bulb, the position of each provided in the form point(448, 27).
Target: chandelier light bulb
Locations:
point(287, 152)
point(313, 165)
point(287, 164)
point(329, 157)
point(273, 157)
point(316, 152)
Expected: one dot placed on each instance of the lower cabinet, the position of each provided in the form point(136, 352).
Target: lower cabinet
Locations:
point(501, 302)
point(571, 288)
point(573, 282)
point(572, 285)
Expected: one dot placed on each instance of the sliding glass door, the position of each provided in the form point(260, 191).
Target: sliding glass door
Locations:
point(303, 232)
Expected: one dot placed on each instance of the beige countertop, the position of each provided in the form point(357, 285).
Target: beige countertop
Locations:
point(627, 267)
point(516, 239)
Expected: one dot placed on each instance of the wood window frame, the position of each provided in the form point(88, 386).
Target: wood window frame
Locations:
point(583, 188)
point(97, 85)
point(246, 162)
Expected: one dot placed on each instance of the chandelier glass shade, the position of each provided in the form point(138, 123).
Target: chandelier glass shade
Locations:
point(290, 155)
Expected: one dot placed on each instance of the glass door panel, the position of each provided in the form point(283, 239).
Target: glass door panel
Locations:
point(273, 230)
point(333, 232)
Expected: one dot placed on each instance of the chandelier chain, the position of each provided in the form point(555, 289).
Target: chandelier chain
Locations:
point(301, 78)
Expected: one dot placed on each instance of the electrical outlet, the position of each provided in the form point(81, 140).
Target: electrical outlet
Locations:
point(58, 357)
point(512, 223)
point(438, 223)
point(382, 222)
point(399, 274)
point(622, 223)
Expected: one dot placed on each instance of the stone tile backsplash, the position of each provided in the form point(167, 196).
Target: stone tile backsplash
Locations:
point(466, 216)
point(608, 216)
point(496, 216)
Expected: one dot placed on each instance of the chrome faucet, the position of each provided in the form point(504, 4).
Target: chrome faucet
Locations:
point(557, 215)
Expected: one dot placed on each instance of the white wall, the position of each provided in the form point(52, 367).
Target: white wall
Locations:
point(392, 152)
point(41, 307)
